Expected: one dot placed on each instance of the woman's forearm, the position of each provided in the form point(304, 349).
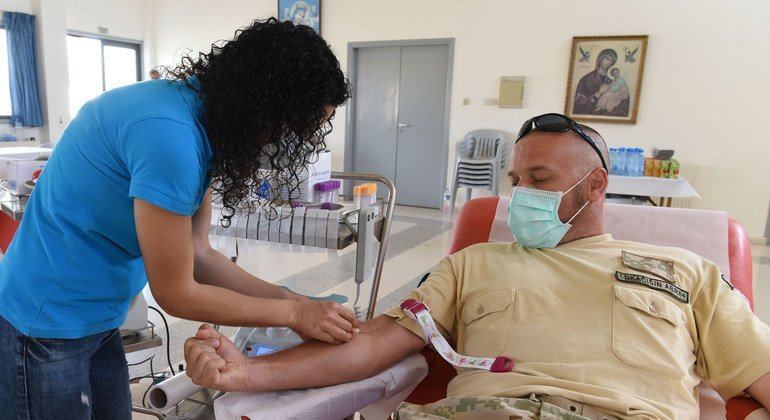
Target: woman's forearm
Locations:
point(213, 268)
point(221, 305)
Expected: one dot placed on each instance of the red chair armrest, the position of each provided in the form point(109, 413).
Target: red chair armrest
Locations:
point(433, 387)
point(473, 223)
point(739, 408)
point(739, 249)
point(8, 229)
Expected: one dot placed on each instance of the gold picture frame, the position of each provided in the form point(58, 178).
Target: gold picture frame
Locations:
point(605, 78)
point(301, 12)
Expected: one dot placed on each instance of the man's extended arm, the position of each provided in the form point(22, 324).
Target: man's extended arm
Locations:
point(214, 362)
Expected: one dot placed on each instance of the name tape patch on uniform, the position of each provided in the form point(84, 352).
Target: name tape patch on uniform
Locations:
point(661, 268)
point(679, 294)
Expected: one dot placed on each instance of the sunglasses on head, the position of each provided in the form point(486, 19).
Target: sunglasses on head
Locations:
point(557, 123)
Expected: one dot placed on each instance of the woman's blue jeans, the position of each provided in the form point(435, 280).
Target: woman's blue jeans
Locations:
point(82, 378)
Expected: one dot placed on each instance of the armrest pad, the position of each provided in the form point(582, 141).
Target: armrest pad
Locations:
point(745, 408)
point(741, 270)
point(473, 223)
point(337, 401)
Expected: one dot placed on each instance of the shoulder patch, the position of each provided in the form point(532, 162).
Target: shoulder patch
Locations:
point(655, 266)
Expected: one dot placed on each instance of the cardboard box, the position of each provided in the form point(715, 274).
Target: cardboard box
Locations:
point(318, 171)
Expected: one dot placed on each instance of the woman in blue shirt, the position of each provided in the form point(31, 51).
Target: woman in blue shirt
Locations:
point(125, 199)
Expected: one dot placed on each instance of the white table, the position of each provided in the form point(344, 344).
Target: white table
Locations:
point(24, 152)
point(645, 186)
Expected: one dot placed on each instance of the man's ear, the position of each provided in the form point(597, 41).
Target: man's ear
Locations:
point(597, 184)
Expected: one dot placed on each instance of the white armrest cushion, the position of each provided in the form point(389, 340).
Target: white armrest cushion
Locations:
point(331, 402)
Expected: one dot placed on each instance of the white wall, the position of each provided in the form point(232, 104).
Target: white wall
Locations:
point(704, 92)
point(124, 19)
point(52, 65)
point(185, 25)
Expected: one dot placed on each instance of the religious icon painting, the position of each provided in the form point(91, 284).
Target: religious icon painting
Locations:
point(605, 78)
point(301, 12)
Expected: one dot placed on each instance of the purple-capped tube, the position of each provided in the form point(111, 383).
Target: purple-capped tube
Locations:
point(336, 185)
point(323, 192)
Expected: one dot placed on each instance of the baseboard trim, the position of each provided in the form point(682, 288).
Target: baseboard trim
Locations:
point(758, 241)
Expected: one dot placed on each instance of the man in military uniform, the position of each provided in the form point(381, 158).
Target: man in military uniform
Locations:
point(597, 328)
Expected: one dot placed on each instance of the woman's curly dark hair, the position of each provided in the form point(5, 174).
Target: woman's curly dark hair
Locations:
point(264, 95)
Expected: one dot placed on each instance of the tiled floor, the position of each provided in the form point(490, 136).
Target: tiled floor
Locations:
point(419, 239)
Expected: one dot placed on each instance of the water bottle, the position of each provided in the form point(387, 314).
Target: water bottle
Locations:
point(622, 161)
point(446, 208)
point(630, 161)
point(639, 162)
point(613, 161)
point(18, 130)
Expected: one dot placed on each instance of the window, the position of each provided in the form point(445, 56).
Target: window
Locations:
point(5, 89)
point(97, 65)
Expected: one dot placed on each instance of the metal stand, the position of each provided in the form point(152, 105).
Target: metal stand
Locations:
point(373, 227)
point(142, 339)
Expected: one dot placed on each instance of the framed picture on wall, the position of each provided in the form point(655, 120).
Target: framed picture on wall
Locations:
point(605, 78)
point(301, 12)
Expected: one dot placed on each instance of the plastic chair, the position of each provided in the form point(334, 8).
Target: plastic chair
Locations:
point(483, 219)
point(478, 160)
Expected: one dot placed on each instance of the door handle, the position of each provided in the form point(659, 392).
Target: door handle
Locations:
point(402, 125)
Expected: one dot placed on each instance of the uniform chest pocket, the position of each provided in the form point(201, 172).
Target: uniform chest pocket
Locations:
point(486, 319)
point(649, 332)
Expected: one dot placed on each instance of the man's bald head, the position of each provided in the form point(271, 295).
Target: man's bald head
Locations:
point(565, 161)
point(557, 123)
point(590, 159)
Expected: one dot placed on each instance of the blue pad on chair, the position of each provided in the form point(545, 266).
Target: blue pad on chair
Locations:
point(332, 297)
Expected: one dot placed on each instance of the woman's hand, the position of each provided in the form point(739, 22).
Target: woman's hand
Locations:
point(213, 361)
point(324, 321)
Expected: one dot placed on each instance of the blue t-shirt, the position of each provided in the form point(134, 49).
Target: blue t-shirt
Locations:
point(75, 263)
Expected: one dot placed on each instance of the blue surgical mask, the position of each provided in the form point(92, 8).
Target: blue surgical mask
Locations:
point(533, 216)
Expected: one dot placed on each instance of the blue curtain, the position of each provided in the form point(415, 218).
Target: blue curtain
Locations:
point(25, 101)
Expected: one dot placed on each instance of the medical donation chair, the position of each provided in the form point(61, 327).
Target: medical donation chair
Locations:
point(707, 233)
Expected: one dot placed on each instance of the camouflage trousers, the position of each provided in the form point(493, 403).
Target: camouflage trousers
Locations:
point(493, 408)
